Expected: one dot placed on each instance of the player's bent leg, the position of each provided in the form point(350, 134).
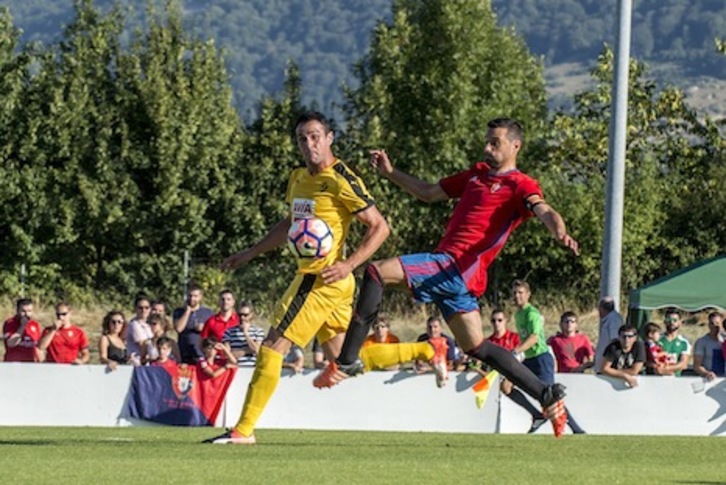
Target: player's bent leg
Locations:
point(383, 356)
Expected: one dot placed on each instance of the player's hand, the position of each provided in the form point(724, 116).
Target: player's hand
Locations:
point(569, 242)
point(380, 161)
point(631, 381)
point(336, 272)
point(236, 260)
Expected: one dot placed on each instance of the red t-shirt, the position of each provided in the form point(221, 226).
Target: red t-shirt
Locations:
point(216, 326)
point(67, 343)
point(570, 352)
point(509, 340)
point(490, 207)
point(169, 365)
point(26, 350)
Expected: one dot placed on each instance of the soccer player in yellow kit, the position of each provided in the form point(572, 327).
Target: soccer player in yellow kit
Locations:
point(319, 300)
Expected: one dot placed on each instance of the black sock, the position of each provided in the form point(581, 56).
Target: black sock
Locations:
point(364, 316)
point(503, 361)
point(517, 396)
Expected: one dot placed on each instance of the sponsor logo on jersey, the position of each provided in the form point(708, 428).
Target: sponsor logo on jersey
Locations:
point(303, 208)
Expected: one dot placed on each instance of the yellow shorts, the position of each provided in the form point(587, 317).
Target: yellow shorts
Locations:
point(311, 308)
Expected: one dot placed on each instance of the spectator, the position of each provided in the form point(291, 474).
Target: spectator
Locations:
point(21, 334)
point(501, 335)
point(533, 349)
point(624, 357)
point(610, 323)
point(434, 329)
point(217, 358)
point(245, 339)
point(165, 347)
point(382, 335)
point(188, 322)
point(573, 350)
point(656, 359)
point(708, 361)
point(674, 344)
point(225, 318)
point(139, 332)
point(158, 307)
point(320, 361)
point(111, 346)
point(294, 359)
point(151, 350)
point(63, 342)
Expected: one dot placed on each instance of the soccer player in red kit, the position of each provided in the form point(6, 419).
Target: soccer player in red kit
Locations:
point(494, 197)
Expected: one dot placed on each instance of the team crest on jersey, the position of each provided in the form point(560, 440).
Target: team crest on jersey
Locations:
point(182, 383)
point(303, 208)
point(495, 187)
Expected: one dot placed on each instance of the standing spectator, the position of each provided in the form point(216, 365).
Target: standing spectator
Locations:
point(245, 339)
point(382, 335)
point(139, 332)
point(151, 350)
point(294, 359)
point(217, 358)
point(158, 307)
point(624, 357)
point(222, 320)
point(435, 332)
point(573, 350)
point(708, 361)
point(111, 346)
point(656, 359)
point(21, 334)
point(63, 342)
point(674, 344)
point(610, 323)
point(533, 348)
point(188, 322)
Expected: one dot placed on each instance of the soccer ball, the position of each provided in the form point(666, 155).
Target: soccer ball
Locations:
point(310, 238)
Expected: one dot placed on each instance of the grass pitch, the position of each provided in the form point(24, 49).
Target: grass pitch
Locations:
point(175, 455)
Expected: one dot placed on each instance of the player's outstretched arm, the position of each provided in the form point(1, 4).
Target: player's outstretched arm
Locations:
point(376, 232)
point(275, 237)
point(554, 222)
point(420, 189)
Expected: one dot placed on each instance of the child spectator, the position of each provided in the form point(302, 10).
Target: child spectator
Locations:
point(217, 358)
point(164, 347)
point(656, 359)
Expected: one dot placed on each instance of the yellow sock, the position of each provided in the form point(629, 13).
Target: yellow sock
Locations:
point(260, 390)
point(381, 356)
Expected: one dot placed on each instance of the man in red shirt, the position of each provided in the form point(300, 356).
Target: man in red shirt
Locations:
point(21, 334)
point(573, 350)
point(63, 342)
point(225, 318)
point(494, 197)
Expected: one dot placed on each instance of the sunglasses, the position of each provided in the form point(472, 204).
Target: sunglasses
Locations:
point(245, 314)
point(380, 326)
point(629, 335)
point(140, 307)
point(61, 314)
point(570, 320)
point(117, 322)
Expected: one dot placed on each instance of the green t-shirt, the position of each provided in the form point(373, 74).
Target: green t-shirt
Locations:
point(530, 321)
point(675, 348)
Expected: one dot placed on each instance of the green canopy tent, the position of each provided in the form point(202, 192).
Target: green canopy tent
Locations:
point(699, 286)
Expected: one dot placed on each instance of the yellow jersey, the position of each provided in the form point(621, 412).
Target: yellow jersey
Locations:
point(334, 195)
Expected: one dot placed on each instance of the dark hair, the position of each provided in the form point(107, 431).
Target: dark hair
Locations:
point(22, 302)
point(314, 116)
point(521, 284)
point(226, 291)
point(567, 315)
point(713, 315)
point(194, 286)
point(672, 311)
point(651, 327)
point(627, 328)
point(210, 341)
point(514, 128)
point(106, 325)
point(159, 302)
point(498, 310)
point(246, 303)
point(141, 297)
point(607, 304)
point(383, 320)
point(163, 341)
point(432, 319)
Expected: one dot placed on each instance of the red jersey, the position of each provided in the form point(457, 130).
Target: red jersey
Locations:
point(490, 207)
point(67, 343)
point(26, 350)
point(570, 352)
point(216, 326)
point(169, 365)
point(509, 340)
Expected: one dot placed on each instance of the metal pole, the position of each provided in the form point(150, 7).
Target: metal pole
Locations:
point(612, 245)
point(186, 272)
point(22, 280)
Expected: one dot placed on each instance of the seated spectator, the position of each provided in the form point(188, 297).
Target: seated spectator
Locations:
point(111, 346)
point(217, 358)
point(151, 349)
point(573, 350)
point(21, 334)
point(139, 332)
point(294, 359)
point(319, 359)
point(63, 342)
point(624, 358)
point(225, 318)
point(434, 329)
point(164, 348)
point(708, 361)
point(245, 339)
point(189, 322)
point(674, 344)
point(382, 335)
point(656, 359)
point(158, 307)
